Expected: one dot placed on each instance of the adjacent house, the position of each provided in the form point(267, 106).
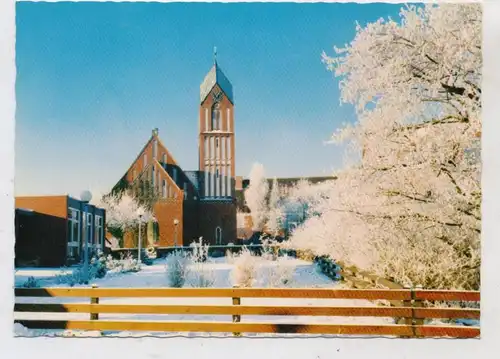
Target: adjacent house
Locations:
point(51, 230)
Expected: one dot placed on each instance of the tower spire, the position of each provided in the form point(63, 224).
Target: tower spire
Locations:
point(215, 55)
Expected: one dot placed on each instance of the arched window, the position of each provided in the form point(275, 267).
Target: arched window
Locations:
point(164, 189)
point(215, 117)
point(218, 235)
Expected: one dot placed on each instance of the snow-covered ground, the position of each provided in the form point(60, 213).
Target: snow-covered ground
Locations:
point(305, 275)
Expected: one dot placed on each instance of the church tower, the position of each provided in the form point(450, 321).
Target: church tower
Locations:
point(217, 204)
point(216, 136)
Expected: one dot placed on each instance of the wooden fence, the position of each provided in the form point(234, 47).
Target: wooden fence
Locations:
point(412, 310)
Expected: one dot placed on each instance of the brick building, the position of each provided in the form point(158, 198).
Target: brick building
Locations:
point(190, 204)
point(50, 230)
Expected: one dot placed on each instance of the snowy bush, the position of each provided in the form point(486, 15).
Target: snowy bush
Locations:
point(202, 276)
point(269, 249)
point(98, 266)
point(177, 269)
point(72, 278)
point(282, 274)
point(199, 251)
point(244, 269)
point(126, 264)
point(31, 282)
point(278, 273)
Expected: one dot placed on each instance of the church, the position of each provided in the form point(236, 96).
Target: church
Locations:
point(195, 203)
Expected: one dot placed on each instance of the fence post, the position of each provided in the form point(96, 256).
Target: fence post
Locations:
point(236, 318)
point(94, 300)
point(407, 303)
point(417, 303)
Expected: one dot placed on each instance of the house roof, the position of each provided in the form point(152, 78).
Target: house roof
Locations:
point(216, 77)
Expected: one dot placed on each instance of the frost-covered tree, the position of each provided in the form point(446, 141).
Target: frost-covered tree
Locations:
point(275, 215)
point(122, 214)
point(409, 207)
point(256, 196)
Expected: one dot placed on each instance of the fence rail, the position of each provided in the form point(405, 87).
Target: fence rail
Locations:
point(412, 310)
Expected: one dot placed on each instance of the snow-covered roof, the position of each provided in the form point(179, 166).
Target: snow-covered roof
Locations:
point(216, 76)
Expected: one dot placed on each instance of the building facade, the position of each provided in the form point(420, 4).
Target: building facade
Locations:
point(50, 230)
point(195, 203)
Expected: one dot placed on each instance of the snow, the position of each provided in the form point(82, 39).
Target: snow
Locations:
point(305, 276)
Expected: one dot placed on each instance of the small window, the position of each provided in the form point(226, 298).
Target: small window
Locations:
point(215, 117)
point(89, 228)
point(217, 173)
point(155, 149)
point(218, 235)
point(185, 190)
point(164, 189)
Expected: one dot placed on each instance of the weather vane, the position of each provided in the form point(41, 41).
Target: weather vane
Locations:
point(215, 54)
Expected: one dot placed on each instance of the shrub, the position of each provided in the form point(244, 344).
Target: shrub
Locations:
point(126, 264)
point(281, 274)
point(31, 282)
point(177, 269)
point(199, 251)
point(244, 270)
point(77, 276)
point(202, 277)
point(98, 267)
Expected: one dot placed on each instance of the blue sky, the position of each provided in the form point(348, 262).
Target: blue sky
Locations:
point(93, 80)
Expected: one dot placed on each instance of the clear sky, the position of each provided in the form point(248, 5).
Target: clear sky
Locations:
point(93, 80)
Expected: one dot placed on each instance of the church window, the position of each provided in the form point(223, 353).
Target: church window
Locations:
point(215, 117)
point(218, 235)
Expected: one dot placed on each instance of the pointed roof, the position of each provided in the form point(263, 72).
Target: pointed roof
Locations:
point(216, 77)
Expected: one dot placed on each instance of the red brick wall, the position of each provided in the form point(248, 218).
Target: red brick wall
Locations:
point(165, 212)
point(52, 205)
point(42, 235)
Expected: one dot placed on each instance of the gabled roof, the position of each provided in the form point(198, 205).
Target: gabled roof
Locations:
point(216, 77)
